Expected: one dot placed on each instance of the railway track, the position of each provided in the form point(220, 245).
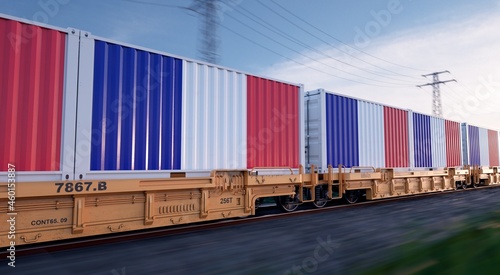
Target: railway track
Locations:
point(261, 216)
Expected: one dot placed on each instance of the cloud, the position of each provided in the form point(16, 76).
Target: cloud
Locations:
point(468, 49)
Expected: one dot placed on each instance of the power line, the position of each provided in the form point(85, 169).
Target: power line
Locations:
point(300, 63)
point(340, 41)
point(274, 29)
point(454, 97)
point(315, 60)
point(154, 4)
point(196, 8)
point(487, 106)
point(464, 88)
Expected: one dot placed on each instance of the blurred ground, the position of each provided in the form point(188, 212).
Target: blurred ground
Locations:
point(475, 249)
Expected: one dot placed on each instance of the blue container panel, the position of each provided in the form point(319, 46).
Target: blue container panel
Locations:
point(474, 148)
point(422, 140)
point(127, 126)
point(136, 113)
point(342, 131)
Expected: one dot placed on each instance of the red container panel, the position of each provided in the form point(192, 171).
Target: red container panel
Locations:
point(272, 123)
point(31, 92)
point(452, 130)
point(493, 146)
point(396, 137)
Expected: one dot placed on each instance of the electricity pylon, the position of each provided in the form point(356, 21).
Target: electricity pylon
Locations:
point(437, 106)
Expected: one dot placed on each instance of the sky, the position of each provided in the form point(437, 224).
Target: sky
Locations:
point(376, 50)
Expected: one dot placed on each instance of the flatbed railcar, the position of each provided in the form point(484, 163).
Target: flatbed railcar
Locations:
point(49, 211)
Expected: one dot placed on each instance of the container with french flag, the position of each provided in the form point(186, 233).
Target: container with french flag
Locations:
point(343, 130)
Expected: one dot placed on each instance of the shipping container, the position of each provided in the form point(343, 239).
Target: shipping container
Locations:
point(145, 113)
point(453, 145)
point(315, 130)
point(498, 146)
point(274, 130)
point(214, 118)
point(38, 92)
point(435, 142)
point(480, 146)
point(341, 131)
point(84, 107)
point(371, 134)
point(422, 143)
point(484, 151)
point(493, 146)
point(353, 132)
point(438, 142)
point(397, 146)
point(136, 109)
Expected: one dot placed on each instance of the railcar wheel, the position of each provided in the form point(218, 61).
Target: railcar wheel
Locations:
point(474, 185)
point(258, 202)
point(287, 203)
point(321, 197)
point(320, 203)
point(352, 196)
point(464, 185)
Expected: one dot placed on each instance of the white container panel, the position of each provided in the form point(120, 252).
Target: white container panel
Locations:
point(484, 151)
point(465, 143)
point(314, 117)
point(438, 139)
point(371, 134)
point(214, 118)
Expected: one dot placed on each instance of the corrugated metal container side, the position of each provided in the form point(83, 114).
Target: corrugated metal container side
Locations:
point(493, 146)
point(273, 123)
point(422, 140)
point(31, 88)
point(498, 151)
point(315, 129)
point(473, 144)
point(438, 142)
point(32, 91)
point(342, 131)
point(371, 134)
point(214, 118)
point(465, 143)
point(453, 156)
point(396, 137)
point(136, 112)
point(484, 151)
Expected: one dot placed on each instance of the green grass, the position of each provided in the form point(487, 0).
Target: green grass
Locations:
point(475, 249)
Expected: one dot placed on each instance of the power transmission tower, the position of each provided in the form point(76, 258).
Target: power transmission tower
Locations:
point(208, 40)
point(437, 106)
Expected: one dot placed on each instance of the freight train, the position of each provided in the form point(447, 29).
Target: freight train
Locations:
point(100, 136)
